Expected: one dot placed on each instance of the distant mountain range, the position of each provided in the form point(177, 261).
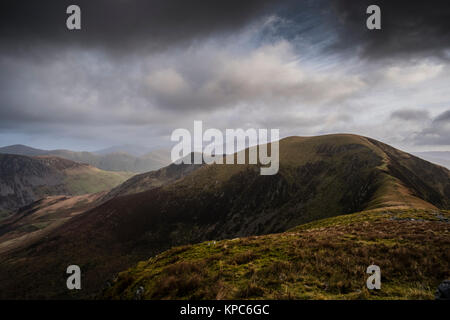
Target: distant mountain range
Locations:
point(131, 149)
point(25, 179)
point(319, 177)
point(112, 159)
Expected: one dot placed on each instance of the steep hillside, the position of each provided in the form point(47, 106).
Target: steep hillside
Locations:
point(319, 177)
point(415, 178)
point(24, 180)
point(117, 161)
point(326, 259)
point(114, 161)
point(151, 180)
point(38, 220)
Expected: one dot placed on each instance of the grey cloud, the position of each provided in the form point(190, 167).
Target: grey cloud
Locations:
point(410, 115)
point(443, 117)
point(268, 75)
point(70, 91)
point(437, 132)
point(97, 90)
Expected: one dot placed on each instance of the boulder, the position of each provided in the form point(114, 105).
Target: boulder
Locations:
point(443, 290)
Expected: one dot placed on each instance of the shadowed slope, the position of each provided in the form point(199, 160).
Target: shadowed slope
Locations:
point(153, 179)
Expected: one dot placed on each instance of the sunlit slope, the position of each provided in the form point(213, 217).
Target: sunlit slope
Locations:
point(326, 259)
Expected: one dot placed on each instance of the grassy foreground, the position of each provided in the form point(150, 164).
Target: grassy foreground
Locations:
point(325, 259)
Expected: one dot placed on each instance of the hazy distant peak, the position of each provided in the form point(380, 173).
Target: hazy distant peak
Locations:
point(21, 149)
point(134, 150)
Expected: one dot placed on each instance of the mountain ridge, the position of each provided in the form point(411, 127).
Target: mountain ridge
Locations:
point(112, 161)
point(320, 177)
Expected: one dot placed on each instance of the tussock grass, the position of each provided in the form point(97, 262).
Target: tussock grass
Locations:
point(326, 259)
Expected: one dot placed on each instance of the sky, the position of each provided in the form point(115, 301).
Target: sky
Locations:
point(137, 70)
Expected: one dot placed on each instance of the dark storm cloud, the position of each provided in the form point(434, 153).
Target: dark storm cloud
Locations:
point(408, 28)
point(122, 24)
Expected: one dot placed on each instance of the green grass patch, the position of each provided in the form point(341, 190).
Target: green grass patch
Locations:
point(325, 259)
